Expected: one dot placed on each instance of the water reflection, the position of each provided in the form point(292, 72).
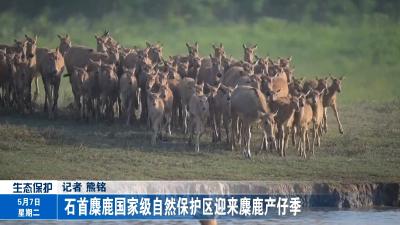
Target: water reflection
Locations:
point(326, 216)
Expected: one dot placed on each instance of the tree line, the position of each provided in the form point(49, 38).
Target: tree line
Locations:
point(206, 10)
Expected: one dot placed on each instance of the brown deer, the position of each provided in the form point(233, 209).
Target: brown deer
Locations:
point(286, 108)
point(51, 66)
point(81, 87)
point(198, 115)
point(156, 112)
point(249, 53)
point(318, 114)
point(129, 94)
point(210, 74)
point(250, 105)
point(65, 44)
point(329, 100)
point(23, 80)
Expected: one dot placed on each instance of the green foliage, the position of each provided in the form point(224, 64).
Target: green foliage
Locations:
point(197, 10)
point(364, 50)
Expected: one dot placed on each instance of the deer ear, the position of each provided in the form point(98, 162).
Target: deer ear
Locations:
point(255, 47)
point(260, 114)
point(342, 78)
point(244, 45)
point(221, 45)
point(222, 86)
point(289, 59)
point(187, 44)
point(316, 78)
point(213, 46)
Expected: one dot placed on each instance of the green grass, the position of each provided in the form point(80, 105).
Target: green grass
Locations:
point(366, 54)
point(33, 147)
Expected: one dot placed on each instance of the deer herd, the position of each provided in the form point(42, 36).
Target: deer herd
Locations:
point(186, 91)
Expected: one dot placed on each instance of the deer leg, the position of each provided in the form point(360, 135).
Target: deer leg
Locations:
point(243, 143)
point(226, 126)
point(77, 100)
point(143, 116)
point(248, 130)
point(128, 112)
point(155, 133)
point(7, 95)
point(286, 140)
point(294, 132)
point(191, 131)
point(233, 132)
point(55, 94)
point(218, 122)
point(119, 107)
point(304, 141)
point(184, 118)
point(335, 111)
point(47, 97)
point(315, 134)
point(299, 143)
point(325, 120)
point(198, 134)
point(279, 138)
point(36, 94)
point(214, 128)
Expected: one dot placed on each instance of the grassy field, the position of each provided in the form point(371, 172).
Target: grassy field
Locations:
point(366, 54)
point(35, 148)
point(32, 147)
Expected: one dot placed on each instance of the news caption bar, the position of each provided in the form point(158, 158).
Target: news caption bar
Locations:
point(136, 200)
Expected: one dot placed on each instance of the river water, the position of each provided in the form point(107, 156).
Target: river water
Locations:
point(365, 216)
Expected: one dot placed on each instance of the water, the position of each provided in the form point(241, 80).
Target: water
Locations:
point(366, 216)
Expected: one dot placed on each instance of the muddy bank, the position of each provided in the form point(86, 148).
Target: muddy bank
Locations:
point(311, 194)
